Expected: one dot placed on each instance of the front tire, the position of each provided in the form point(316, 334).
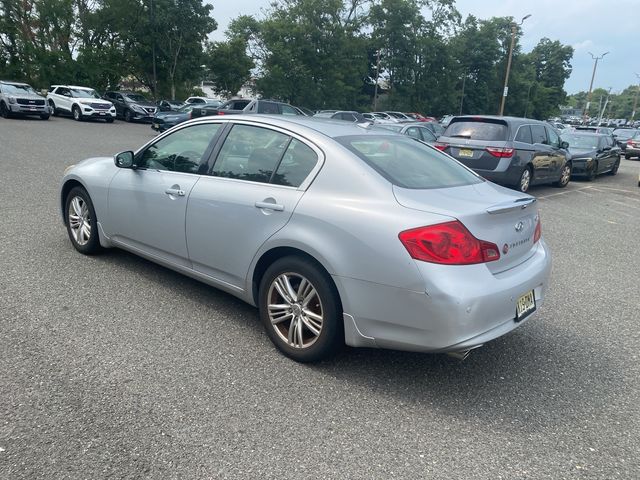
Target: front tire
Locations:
point(301, 310)
point(44, 117)
point(52, 107)
point(4, 110)
point(80, 218)
point(77, 114)
point(565, 176)
point(127, 116)
point(109, 120)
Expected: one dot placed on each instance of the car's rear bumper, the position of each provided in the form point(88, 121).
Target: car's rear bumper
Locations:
point(462, 307)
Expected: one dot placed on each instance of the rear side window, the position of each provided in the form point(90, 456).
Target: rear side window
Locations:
point(289, 110)
point(477, 130)
point(268, 107)
point(296, 164)
point(250, 153)
point(538, 134)
point(408, 163)
point(524, 134)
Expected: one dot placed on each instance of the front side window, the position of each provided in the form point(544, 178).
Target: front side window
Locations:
point(180, 151)
point(289, 110)
point(250, 153)
point(408, 163)
point(538, 134)
point(414, 132)
point(427, 135)
point(554, 139)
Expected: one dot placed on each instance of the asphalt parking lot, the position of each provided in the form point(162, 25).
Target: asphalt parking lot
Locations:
point(113, 367)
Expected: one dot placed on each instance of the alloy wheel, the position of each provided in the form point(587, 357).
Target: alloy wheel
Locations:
point(525, 180)
point(295, 310)
point(566, 175)
point(79, 220)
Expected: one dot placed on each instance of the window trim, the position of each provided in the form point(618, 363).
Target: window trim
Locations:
point(307, 181)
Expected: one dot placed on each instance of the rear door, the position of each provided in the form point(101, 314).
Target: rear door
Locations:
point(558, 156)
point(542, 154)
point(256, 181)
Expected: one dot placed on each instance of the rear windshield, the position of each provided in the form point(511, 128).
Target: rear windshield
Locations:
point(575, 140)
point(409, 163)
point(477, 130)
point(626, 133)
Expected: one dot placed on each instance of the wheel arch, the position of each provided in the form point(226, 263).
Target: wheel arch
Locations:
point(64, 192)
point(275, 253)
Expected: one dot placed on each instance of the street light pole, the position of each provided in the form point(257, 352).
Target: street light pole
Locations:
point(635, 101)
point(464, 79)
point(375, 90)
point(514, 28)
point(593, 76)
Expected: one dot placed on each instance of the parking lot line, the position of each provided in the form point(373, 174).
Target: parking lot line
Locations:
point(563, 193)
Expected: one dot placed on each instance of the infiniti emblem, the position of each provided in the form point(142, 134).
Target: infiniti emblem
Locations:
point(519, 226)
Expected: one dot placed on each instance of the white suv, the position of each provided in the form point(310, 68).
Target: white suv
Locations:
point(80, 102)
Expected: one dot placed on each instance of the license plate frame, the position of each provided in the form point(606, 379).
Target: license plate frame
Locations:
point(465, 152)
point(525, 305)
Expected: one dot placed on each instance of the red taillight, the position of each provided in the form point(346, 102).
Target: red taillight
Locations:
point(500, 152)
point(538, 231)
point(629, 142)
point(440, 146)
point(220, 113)
point(448, 243)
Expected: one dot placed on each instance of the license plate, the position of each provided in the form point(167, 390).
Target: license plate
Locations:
point(525, 305)
point(102, 113)
point(465, 152)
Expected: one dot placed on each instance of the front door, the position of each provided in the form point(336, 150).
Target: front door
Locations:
point(147, 204)
point(251, 194)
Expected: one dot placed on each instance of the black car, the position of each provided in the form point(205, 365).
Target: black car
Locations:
point(511, 151)
point(628, 140)
point(169, 105)
point(165, 120)
point(246, 106)
point(132, 106)
point(592, 154)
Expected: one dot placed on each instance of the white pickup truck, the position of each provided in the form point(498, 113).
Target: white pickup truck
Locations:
point(79, 102)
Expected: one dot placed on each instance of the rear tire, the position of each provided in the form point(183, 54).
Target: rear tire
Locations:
point(614, 169)
point(525, 180)
point(306, 323)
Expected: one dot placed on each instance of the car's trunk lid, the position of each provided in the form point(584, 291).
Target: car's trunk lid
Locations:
point(490, 212)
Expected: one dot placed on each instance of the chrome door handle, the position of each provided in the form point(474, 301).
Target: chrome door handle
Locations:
point(174, 191)
point(270, 206)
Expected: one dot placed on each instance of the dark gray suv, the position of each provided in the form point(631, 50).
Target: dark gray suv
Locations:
point(515, 152)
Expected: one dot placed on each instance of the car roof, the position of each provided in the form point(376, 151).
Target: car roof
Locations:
point(77, 87)
point(9, 82)
point(587, 133)
point(326, 126)
point(507, 119)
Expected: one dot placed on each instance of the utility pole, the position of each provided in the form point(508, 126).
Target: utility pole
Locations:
point(153, 50)
point(635, 101)
point(604, 108)
point(514, 28)
point(464, 79)
point(375, 91)
point(593, 76)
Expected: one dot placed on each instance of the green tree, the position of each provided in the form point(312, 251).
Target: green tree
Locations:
point(229, 64)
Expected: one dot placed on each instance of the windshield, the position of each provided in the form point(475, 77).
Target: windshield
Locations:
point(135, 97)
point(18, 89)
point(575, 140)
point(477, 130)
point(82, 93)
point(409, 163)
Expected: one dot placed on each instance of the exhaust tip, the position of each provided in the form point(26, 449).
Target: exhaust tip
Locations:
point(460, 356)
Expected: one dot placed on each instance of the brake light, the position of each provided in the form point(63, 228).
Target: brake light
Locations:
point(448, 243)
point(500, 152)
point(441, 146)
point(538, 231)
point(629, 142)
point(220, 113)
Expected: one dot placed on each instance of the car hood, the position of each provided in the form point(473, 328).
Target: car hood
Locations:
point(146, 103)
point(581, 152)
point(169, 116)
point(28, 96)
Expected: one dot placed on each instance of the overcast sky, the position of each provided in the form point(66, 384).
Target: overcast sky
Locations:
point(595, 26)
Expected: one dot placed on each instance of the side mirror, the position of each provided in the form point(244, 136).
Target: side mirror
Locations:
point(124, 159)
point(564, 145)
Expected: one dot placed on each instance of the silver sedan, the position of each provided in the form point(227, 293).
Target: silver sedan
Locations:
point(338, 233)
